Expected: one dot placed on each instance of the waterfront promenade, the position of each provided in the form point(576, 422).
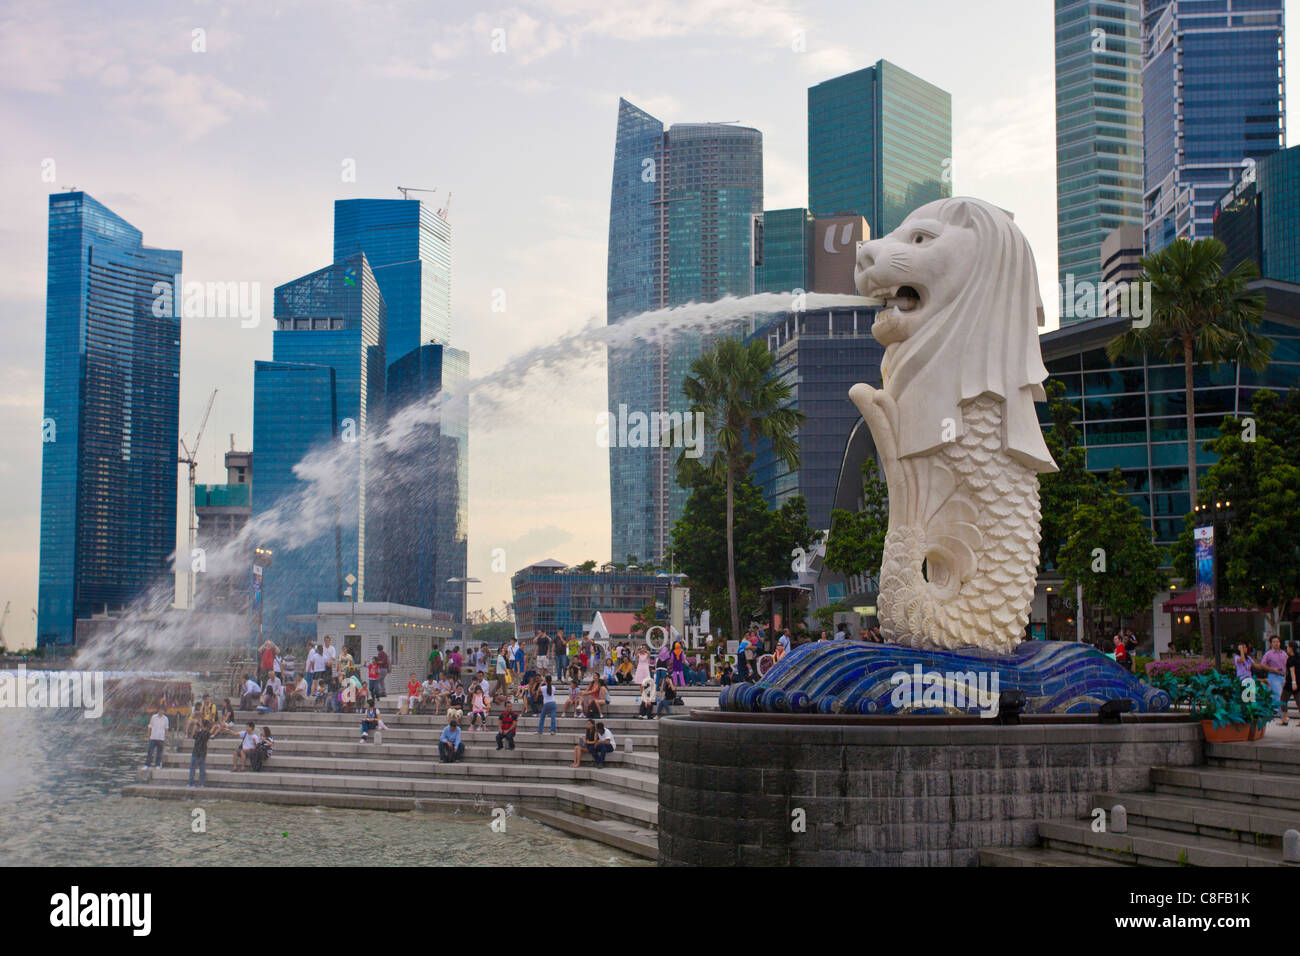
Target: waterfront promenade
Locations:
point(318, 761)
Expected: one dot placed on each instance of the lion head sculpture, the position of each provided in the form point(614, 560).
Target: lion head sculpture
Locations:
point(960, 319)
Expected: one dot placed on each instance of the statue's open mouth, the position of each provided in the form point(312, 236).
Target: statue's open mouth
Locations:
point(903, 298)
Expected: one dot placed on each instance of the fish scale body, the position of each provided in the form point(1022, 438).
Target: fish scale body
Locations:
point(991, 605)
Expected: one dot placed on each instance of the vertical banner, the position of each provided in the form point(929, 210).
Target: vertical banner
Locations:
point(1204, 538)
point(257, 602)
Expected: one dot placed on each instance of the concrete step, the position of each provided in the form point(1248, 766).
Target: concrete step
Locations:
point(584, 792)
point(294, 718)
point(617, 777)
point(341, 738)
point(1221, 819)
point(1149, 846)
point(643, 758)
point(1038, 856)
point(1259, 756)
point(628, 837)
point(1280, 791)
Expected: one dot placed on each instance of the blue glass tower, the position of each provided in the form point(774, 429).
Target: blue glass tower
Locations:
point(1098, 131)
point(419, 525)
point(1212, 79)
point(424, 507)
point(682, 209)
point(322, 392)
point(785, 260)
point(408, 246)
point(112, 387)
point(1259, 218)
point(879, 145)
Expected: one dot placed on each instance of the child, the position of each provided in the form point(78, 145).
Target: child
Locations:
point(478, 712)
point(574, 700)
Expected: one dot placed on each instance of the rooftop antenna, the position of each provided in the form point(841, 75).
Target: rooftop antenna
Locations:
point(446, 207)
point(414, 189)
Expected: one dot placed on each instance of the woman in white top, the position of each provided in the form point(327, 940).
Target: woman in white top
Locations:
point(548, 705)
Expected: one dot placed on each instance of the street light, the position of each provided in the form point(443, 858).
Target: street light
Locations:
point(464, 600)
point(350, 595)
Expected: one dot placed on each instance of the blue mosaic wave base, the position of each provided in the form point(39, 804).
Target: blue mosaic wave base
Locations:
point(849, 677)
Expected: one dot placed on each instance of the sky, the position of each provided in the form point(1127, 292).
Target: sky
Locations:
point(227, 130)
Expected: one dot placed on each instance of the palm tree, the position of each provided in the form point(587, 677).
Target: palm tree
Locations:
point(1199, 313)
point(741, 403)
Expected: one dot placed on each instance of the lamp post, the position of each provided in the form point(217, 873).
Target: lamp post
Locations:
point(464, 597)
point(261, 560)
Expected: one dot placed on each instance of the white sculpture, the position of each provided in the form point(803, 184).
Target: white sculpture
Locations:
point(955, 425)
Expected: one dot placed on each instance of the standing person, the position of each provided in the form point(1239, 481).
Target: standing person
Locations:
point(506, 726)
point(267, 654)
point(661, 664)
point(543, 645)
point(521, 659)
point(158, 727)
point(331, 655)
point(574, 646)
point(450, 746)
point(1121, 653)
point(435, 664)
point(642, 673)
point(1274, 663)
point(289, 668)
point(677, 664)
point(548, 705)
point(742, 660)
point(382, 660)
point(199, 755)
point(372, 676)
point(586, 742)
point(561, 649)
point(1291, 686)
point(314, 664)
point(453, 665)
point(1243, 664)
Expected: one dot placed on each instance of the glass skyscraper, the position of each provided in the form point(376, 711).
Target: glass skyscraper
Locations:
point(784, 241)
point(322, 392)
point(879, 145)
point(419, 525)
point(681, 222)
point(1098, 131)
point(424, 505)
point(112, 388)
point(408, 246)
point(1259, 218)
point(1212, 79)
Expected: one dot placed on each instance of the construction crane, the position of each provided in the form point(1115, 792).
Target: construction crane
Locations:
point(414, 189)
point(191, 458)
point(446, 207)
point(3, 617)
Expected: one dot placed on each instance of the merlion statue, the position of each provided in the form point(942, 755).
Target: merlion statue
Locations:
point(955, 425)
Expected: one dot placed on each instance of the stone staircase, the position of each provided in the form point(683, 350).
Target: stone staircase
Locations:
point(318, 761)
point(1231, 811)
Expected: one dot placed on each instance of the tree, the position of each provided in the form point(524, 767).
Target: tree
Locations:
point(1111, 554)
point(645, 618)
point(588, 565)
point(1199, 313)
point(763, 540)
point(1062, 492)
point(857, 540)
point(495, 633)
point(741, 403)
point(1258, 474)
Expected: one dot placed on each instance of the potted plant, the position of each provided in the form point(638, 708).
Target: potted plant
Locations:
point(1227, 710)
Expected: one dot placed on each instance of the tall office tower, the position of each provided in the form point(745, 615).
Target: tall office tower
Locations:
point(1212, 100)
point(424, 506)
point(112, 388)
point(783, 250)
point(419, 526)
point(1259, 218)
point(879, 145)
point(820, 354)
point(408, 246)
point(1098, 132)
point(680, 230)
point(319, 393)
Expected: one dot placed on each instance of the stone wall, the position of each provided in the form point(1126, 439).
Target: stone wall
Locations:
point(888, 794)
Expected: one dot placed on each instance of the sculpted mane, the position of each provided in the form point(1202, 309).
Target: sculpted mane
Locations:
point(982, 340)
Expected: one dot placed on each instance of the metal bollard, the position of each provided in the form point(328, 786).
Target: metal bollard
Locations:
point(627, 745)
point(1291, 846)
point(1118, 819)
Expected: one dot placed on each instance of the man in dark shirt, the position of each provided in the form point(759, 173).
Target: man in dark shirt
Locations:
point(199, 755)
point(506, 726)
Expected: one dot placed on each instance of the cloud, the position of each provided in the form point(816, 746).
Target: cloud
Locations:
point(193, 104)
